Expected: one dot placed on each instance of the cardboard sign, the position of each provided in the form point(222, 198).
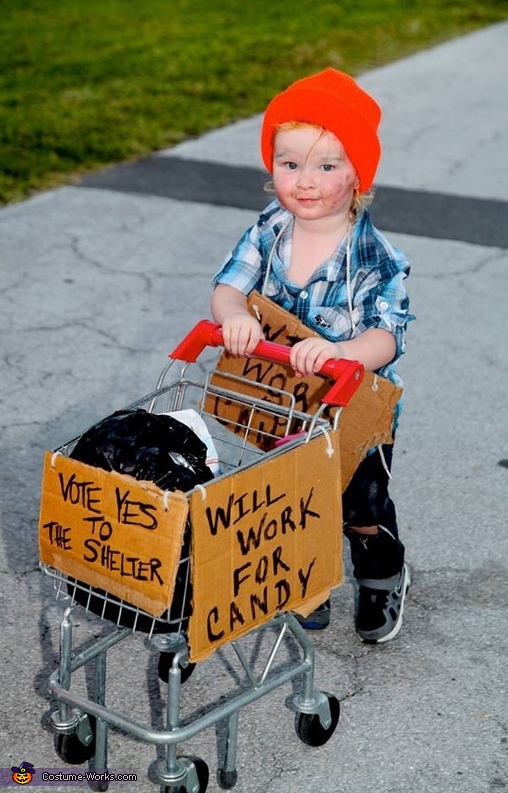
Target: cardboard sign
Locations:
point(265, 539)
point(111, 531)
point(364, 423)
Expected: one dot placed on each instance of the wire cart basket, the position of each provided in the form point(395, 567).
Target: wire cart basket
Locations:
point(267, 424)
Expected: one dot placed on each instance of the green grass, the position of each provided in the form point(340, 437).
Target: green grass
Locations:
point(88, 83)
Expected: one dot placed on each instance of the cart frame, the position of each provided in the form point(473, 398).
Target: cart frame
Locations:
point(81, 723)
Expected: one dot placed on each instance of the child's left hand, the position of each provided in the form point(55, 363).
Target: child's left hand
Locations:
point(308, 356)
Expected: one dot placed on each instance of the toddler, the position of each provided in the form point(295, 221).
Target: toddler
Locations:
point(315, 251)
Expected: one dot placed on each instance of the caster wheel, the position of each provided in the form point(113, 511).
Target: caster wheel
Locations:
point(71, 750)
point(100, 787)
point(309, 728)
point(203, 776)
point(165, 664)
point(227, 779)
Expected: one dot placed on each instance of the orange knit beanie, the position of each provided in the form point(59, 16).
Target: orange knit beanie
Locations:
point(333, 100)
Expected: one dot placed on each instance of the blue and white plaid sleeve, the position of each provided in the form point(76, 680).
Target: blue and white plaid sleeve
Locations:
point(384, 300)
point(242, 268)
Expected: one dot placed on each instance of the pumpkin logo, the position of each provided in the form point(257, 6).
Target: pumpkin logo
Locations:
point(23, 775)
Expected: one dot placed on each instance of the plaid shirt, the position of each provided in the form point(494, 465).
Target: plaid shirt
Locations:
point(377, 273)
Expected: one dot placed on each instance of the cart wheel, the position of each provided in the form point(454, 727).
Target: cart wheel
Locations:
point(203, 776)
point(100, 787)
point(227, 779)
point(309, 728)
point(71, 750)
point(165, 664)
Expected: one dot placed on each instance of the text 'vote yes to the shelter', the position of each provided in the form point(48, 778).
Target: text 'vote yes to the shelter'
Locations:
point(111, 531)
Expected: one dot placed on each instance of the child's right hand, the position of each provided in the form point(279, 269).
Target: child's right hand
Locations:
point(242, 333)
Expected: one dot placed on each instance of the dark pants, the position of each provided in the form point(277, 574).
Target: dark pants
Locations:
point(366, 502)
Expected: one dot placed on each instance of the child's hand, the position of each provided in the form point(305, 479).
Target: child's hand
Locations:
point(308, 356)
point(242, 333)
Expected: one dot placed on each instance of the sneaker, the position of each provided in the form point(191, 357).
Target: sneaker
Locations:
point(318, 619)
point(381, 607)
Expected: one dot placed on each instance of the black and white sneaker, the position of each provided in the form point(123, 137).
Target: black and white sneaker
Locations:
point(381, 607)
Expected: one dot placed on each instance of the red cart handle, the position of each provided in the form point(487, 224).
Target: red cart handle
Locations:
point(347, 375)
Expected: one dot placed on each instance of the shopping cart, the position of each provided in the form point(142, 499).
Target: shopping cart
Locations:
point(266, 426)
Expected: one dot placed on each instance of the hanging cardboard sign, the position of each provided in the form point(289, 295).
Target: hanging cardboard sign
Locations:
point(265, 539)
point(111, 531)
point(364, 423)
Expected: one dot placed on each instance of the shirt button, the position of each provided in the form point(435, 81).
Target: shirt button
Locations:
point(304, 294)
point(383, 305)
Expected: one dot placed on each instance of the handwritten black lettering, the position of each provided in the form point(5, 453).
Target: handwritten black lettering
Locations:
point(292, 339)
point(305, 511)
point(59, 535)
point(91, 545)
point(272, 334)
point(235, 615)
point(105, 529)
point(258, 370)
point(278, 426)
point(286, 520)
point(253, 538)
point(278, 562)
point(268, 530)
point(239, 506)
point(261, 570)
point(304, 577)
point(238, 579)
point(221, 516)
point(79, 492)
point(155, 565)
point(213, 616)
point(261, 503)
point(104, 555)
point(253, 500)
point(135, 513)
point(279, 381)
point(300, 392)
point(259, 603)
point(283, 593)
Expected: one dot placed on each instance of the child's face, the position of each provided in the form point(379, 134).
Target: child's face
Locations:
point(312, 174)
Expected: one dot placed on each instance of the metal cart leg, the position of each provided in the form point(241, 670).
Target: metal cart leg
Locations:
point(172, 648)
point(66, 715)
point(170, 771)
point(101, 726)
point(74, 739)
point(173, 712)
point(228, 774)
point(317, 712)
point(182, 774)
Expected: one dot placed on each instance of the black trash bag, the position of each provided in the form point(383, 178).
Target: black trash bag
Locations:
point(154, 448)
point(148, 446)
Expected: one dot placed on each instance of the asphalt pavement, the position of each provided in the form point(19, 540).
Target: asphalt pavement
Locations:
point(100, 280)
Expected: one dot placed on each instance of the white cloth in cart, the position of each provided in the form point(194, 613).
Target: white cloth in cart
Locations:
point(193, 420)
